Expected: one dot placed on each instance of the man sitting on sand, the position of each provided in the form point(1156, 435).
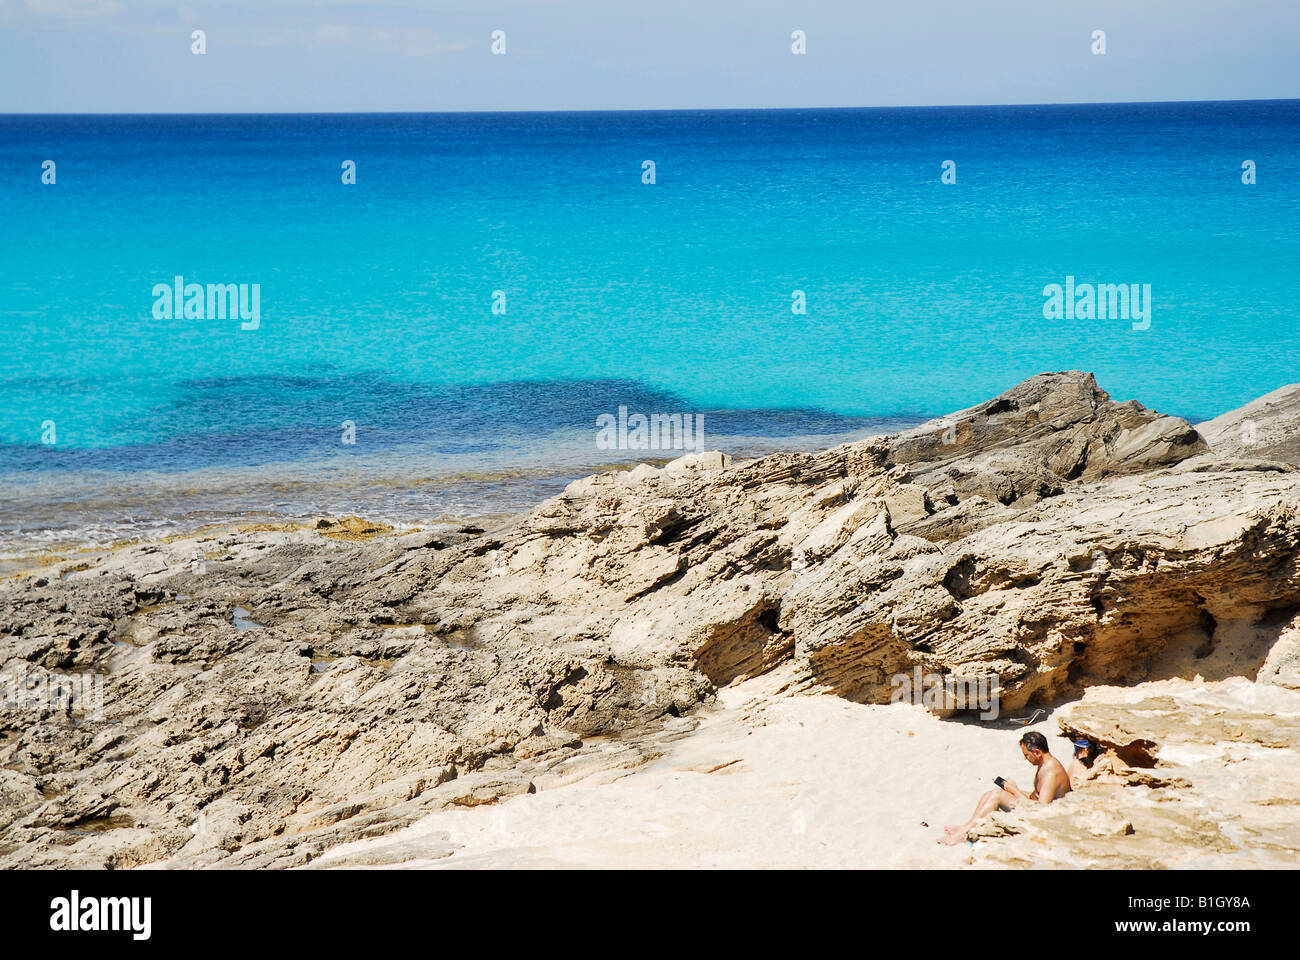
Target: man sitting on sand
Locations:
point(1051, 782)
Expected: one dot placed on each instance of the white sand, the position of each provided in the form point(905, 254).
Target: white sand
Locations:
point(805, 781)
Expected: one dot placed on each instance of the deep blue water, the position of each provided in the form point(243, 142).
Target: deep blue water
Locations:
point(376, 298)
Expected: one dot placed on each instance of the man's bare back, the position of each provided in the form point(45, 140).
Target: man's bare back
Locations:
point(1051, 782)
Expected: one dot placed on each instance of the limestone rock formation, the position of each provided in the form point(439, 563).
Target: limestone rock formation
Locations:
point(1192, 774)
point(1264, 429)
point(304, 686)
point(1025, 444)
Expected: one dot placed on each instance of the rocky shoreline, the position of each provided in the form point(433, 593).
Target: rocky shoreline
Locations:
point(270, 693)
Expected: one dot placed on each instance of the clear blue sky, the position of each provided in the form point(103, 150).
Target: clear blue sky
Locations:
point(335, 55)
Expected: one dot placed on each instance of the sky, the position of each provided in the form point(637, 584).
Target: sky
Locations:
point(135, 56)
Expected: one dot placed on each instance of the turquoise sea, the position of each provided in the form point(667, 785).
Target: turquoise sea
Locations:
point(376, 298)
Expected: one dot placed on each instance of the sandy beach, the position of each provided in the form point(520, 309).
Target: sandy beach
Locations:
point(763, 781)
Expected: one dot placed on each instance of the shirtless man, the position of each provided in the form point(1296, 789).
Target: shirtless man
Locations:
point(1051, 782)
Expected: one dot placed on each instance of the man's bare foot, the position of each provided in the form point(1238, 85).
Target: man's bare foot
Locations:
point(953, 839)
point(950, 829)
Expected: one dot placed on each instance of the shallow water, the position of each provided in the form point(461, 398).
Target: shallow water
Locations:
point(376, 299)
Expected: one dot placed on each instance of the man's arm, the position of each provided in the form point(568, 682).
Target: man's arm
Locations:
point(1010, 787)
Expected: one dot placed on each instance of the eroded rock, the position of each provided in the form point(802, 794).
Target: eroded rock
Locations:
point(373, 676)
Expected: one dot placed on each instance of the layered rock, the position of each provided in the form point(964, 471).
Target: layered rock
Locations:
point(292, 688)
point(1264, 429)
point(1027, 443)
point(1191, 774)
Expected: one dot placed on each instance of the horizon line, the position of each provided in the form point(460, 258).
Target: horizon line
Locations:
point(320, 113)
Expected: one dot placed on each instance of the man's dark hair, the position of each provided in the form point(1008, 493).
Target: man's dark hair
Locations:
point(1035, 741)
